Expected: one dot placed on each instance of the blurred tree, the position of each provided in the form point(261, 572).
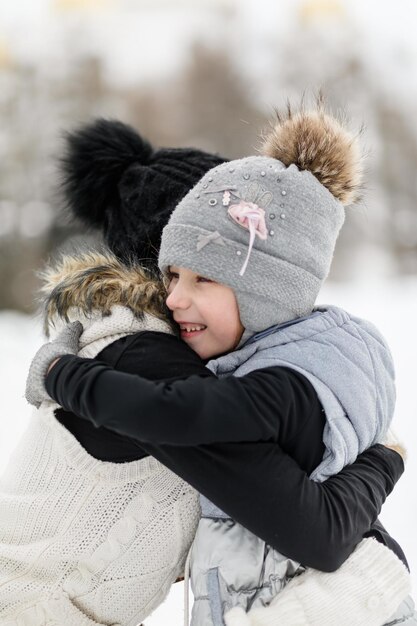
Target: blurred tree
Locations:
point(397, 174)
point(36, 109)
point(214, 107)
point(207, 106)
point(214, 104)
point(338, 63)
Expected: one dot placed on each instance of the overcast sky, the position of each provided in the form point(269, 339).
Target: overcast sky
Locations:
point(125, 33)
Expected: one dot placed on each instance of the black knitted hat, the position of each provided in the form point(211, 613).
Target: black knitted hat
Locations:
point(114, 180)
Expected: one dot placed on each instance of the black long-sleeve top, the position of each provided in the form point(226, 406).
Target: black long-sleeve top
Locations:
point(246, 443)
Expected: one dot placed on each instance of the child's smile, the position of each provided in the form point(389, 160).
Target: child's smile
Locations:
point(206, 312)
point(190, 330)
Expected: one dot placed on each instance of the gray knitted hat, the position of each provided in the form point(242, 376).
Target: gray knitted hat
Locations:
point(266, 226)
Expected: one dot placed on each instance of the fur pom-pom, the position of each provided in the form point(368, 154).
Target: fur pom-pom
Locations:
point(95, 158)
point(319, 143)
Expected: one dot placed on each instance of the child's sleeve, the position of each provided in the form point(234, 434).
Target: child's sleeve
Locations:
point(366, 591)
point(265, 405)
point(323, 522)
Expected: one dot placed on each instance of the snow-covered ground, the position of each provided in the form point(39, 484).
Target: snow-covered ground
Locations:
point(392, 306)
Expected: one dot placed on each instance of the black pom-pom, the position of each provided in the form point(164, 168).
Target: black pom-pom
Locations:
point(95, 159)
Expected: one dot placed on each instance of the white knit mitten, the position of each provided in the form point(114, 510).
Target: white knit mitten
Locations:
point(365, 591)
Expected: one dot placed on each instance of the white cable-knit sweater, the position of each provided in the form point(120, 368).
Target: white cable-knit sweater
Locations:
point(85, 542)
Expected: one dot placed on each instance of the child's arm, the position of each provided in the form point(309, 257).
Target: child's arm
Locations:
point(366, 591)
point(260, 406)
point(323, 523)
point(265, 490)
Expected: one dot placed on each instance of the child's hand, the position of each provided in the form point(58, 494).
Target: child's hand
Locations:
point(52, 364)
point(397, 447)
point(67, 342)
point(391, 442)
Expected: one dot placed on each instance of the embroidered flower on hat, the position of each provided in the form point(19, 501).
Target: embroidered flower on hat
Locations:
point(252, 217)
point(247, 213)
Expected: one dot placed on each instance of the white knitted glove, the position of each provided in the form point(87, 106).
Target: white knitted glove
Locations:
point(67, 342)
point(366, 590)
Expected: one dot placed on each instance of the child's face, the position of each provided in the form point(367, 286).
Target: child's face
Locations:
point(210, 307)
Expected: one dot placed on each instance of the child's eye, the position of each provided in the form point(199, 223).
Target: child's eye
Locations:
point(203, 279)
point(169, 281)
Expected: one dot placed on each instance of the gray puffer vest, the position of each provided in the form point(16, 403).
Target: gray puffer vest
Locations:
point(350, 366)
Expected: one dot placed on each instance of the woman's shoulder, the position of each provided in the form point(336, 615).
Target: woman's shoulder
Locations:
point(154, 355)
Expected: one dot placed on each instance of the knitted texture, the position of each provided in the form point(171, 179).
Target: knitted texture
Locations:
point(276, 271)
point(65, 343)
point(267, 226)
point(365, 591)
point(98, 330)
point(82, 541)
point(114, 180)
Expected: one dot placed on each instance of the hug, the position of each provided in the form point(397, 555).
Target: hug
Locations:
point(196, 411)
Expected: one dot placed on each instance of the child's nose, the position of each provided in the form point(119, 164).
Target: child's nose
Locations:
point(178, 298)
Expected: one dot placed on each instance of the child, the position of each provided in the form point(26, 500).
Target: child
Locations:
point(91, 384)
point(93, 530)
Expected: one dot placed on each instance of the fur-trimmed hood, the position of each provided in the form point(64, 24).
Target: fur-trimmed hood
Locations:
point(89, 285)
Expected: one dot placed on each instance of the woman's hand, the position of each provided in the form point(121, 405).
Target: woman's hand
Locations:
point(67, 342)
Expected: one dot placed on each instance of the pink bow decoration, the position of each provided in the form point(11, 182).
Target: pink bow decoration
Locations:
point(250, 216)
point(203, 240)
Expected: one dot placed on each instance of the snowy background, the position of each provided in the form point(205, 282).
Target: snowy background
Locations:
point(208, 73)
point(392, 306)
